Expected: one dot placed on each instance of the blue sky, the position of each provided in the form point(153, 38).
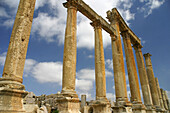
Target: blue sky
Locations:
point(149, 20)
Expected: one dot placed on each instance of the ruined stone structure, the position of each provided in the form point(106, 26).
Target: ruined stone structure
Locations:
point(12, 91)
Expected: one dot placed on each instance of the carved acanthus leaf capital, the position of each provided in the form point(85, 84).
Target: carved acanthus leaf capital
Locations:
point(137, 46)
point(113, 37)
point(112, 16)
point(147, 55)
point(70, 3)
point(125, 34)
point(96, 24)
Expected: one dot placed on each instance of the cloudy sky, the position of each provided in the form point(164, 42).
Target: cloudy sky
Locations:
point(149, 19)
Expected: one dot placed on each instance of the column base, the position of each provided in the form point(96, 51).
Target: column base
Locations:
point(100, 106)
point(69, 93)
point(138, 108)
point(159, 109)
point(68, 105)
point(11, 96)
point(150, 109)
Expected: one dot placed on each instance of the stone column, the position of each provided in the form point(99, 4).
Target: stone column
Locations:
point(143, 77)
point(151, 78)
point(131, 67)
point(118, 61)
point(167, 100)
point(164, 99)
point(69, 101)
point(159, 94)
point(12, 91)
point(83, 101)
point(70, 51)
point(99, 62)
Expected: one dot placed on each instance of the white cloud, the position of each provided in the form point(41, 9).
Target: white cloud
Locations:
point(48, 72)
point(84, 85)
point(109, 63)
point(2, 58)
point(48, 28)
point(168, 94)
point(142, 41)
point(29, 65)
point(3, 13)
point(8, 23)
point(150, 5)
point(87, 74)
point(110, 96)
point(108, 73)
point(90, 56)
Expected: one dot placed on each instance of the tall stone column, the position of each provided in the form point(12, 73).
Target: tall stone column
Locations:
point(167, 100)
point(152, 83)
point(101, 104)
point(159, 94)
point(131, 67)
point(99, 62)
point(70, 51)
point(143, 77)
point(69, 101)
point(12, 91)
point(118, 61)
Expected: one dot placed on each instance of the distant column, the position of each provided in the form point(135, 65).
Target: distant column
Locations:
point(143, 76)
point(70, 52)
point(159, 93)
point(167, 100)
point(131, 67)
point(151, 78)
point(164, 99)
point(118, 61)
point(99, 62)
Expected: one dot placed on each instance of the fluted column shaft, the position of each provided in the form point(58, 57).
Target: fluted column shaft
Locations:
point(131, 67)
point(159, 93)
point(118, 61)
point(99, 62)
point(143, 76)
point(151, 78)
point(16, 55)
point(70, 51)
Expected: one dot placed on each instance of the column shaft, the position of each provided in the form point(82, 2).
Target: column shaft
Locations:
point(164, 99)
point(15, 59)
point(151, 78)
point(118, 61)
point(131, 67)
point(99, 62)
point(70, 52)
point(159, 93)
point(143, 76)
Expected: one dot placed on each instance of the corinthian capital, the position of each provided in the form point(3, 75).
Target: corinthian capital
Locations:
point(113, 16)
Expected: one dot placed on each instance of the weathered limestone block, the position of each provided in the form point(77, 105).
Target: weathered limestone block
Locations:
point(68, 105)
point(98, 106)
